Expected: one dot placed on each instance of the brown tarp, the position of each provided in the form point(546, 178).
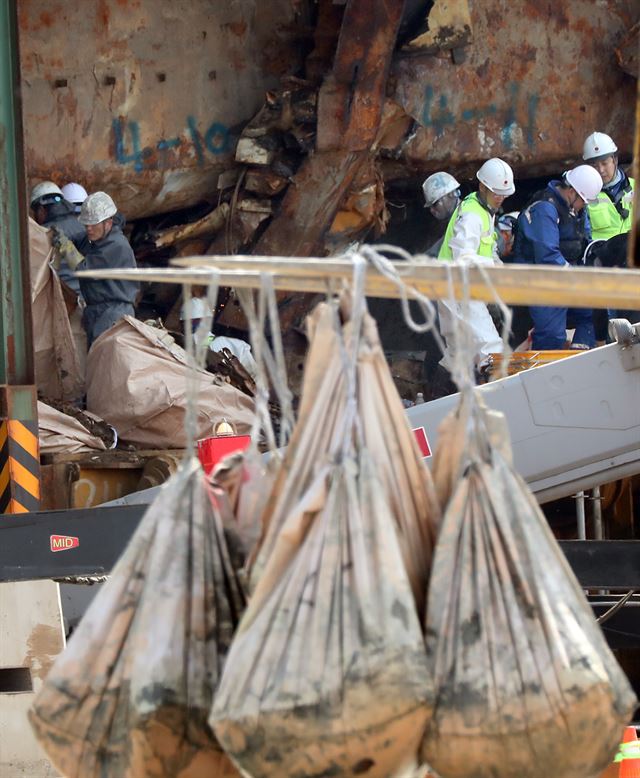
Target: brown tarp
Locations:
point(130, 695)
point(136, 381)
point(57, 365)
point(524, 684)
point(62, 434)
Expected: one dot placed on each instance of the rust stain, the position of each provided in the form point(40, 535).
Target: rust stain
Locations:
point(102, 14)
point(238, 28)
point(46, 19)
point(43, 646)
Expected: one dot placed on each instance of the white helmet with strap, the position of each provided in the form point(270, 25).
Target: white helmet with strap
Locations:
point(597, 146)
point(586, 181)
point(497, 176)
point(47, 189)
point(437, 186)
point(74, 193)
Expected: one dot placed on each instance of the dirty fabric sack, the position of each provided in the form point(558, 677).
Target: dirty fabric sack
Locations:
point(524, 683)
point(246, 478)
point(59, 433)
point(384, 430)
point(59, 374)
point(136, 378)
point(130, 695)
point(332, 616)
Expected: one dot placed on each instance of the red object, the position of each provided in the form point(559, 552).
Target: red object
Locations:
point(630, 734)
point(423, 441)
point(212, 450)
point(629, 768)
point(63, 542)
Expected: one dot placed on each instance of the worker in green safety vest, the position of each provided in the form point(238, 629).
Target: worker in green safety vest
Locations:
point(612, 213)
point(471, 237)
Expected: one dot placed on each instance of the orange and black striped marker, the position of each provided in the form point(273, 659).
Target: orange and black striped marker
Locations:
point(19, 466)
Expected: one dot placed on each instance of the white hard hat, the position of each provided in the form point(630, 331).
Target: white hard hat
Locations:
point(96, 208)
point(598, 145)
point(586, 181)
point(506, 221)
point(438, 185)
point(497, 176)
point(74, 193)
point(46, 188)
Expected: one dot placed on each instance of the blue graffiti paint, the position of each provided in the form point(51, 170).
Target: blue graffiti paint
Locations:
point(470, 114)
point(128, 147)
point(217, 139)
point(195, 139)
point(439, 119)
point(136, 156)
point(171, 143)
point(437, 114)
point(510, 119)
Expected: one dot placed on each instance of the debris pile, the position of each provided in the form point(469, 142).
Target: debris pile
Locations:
point(63, 432)
point(143, 393)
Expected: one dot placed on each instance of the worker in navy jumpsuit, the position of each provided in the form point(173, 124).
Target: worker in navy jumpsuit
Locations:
point(554, 231)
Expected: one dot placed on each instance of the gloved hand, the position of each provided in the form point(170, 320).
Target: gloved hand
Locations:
point(63, 249)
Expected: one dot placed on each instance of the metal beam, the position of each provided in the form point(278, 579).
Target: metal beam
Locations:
point(60, 544)
point(19, 461)
point(88, 542)
point(586, 287)
point(16, 352)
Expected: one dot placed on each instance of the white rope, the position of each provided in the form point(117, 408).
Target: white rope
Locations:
point(275, 362)
point(196, 345)
point(462, 368)
point(262, 423)
point(507, 320)
point(353, 429)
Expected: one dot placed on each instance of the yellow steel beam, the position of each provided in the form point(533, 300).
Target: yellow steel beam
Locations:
point(513, 284)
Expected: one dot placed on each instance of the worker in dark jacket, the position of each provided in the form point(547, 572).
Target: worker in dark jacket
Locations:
point(51, 209)
point(104, 247)
point(554, 231)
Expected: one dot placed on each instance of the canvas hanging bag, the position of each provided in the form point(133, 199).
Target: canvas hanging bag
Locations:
point(523, 682)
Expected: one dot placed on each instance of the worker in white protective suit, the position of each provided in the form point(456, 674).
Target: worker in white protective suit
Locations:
point(441, 196)
point(471, 238)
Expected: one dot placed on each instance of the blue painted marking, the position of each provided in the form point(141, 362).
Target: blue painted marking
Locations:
point(437, 114)
point(217, 138)
point(170, 143)
point(128, 148)
point(195, 138)
point(134, 133)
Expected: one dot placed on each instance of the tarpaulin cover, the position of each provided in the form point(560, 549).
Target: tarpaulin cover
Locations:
point(136, 381)
point(57, 365)
point(326, 675)
point(130, 695)
point(524, 684)
point(62, 434)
